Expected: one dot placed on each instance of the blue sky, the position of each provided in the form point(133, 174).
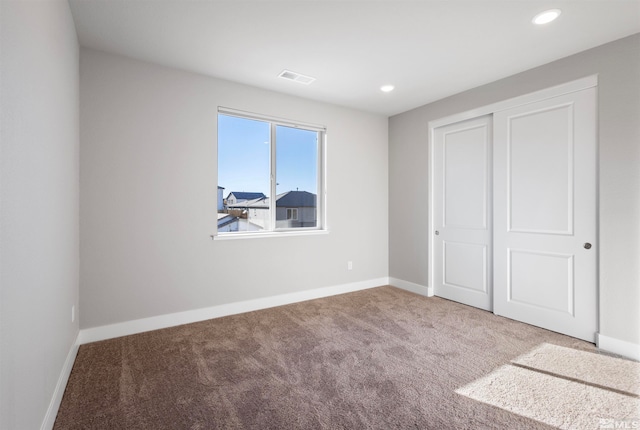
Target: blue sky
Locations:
point(243, 157)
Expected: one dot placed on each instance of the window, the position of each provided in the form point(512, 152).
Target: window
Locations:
point(292, 213)
point(270, 172)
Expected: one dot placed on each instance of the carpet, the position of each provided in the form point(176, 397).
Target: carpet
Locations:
point(603, 371)
point(559, 402)
point(381, 358)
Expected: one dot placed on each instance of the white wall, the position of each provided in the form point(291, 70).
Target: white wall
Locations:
point(618, 67)
point(39, 193)
point(147, 175)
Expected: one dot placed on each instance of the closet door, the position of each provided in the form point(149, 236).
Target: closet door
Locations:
point(462, 214)
point(545, 214)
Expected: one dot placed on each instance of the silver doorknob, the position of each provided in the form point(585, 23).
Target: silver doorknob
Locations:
point(437, 232)
point(587, 245)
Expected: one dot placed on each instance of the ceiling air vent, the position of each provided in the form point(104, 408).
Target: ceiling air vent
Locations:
point(296, 77)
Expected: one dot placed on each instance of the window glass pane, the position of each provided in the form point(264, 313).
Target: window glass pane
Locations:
point(244, 174)
point(296, 177)
point(250, 180)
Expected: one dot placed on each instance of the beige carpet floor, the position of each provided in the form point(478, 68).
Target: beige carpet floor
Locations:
point(607, 372)
point(560, 402)
point(376, 359)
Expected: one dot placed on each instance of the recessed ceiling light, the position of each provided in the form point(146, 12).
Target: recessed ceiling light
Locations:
point(546, 17)
point(387, 88)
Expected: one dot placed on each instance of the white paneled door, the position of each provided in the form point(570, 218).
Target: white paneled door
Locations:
point(514, 212)
point(545, 214)
point(462, 218)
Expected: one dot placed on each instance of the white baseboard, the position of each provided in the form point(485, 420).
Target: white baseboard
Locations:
point(56, 399)
point(169, 320)
point(621, 347)
point(413, 287)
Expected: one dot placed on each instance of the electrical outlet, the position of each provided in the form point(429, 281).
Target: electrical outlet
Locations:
point(349, 265)
point(73, 313)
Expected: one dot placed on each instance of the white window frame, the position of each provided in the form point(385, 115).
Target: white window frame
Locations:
point(321, 196)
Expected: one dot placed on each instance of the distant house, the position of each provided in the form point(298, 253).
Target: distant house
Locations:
point(254, 211)
point(220, 198)
point(294, 209)
point(227, 222)
point(235, 197)
point(236, 206)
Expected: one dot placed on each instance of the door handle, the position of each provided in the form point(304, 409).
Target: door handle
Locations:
point(437, 232)
point(587, 245)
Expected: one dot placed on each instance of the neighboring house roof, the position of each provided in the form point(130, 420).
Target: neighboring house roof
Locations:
point(259, 203)
point(241, 195)
point(225, 219)
point(290, 199)
point(296, 199)
point(220, 188)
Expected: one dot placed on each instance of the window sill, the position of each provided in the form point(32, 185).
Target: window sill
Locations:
point(236, 236)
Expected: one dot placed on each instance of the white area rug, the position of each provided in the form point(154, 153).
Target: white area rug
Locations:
point(565, 388)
